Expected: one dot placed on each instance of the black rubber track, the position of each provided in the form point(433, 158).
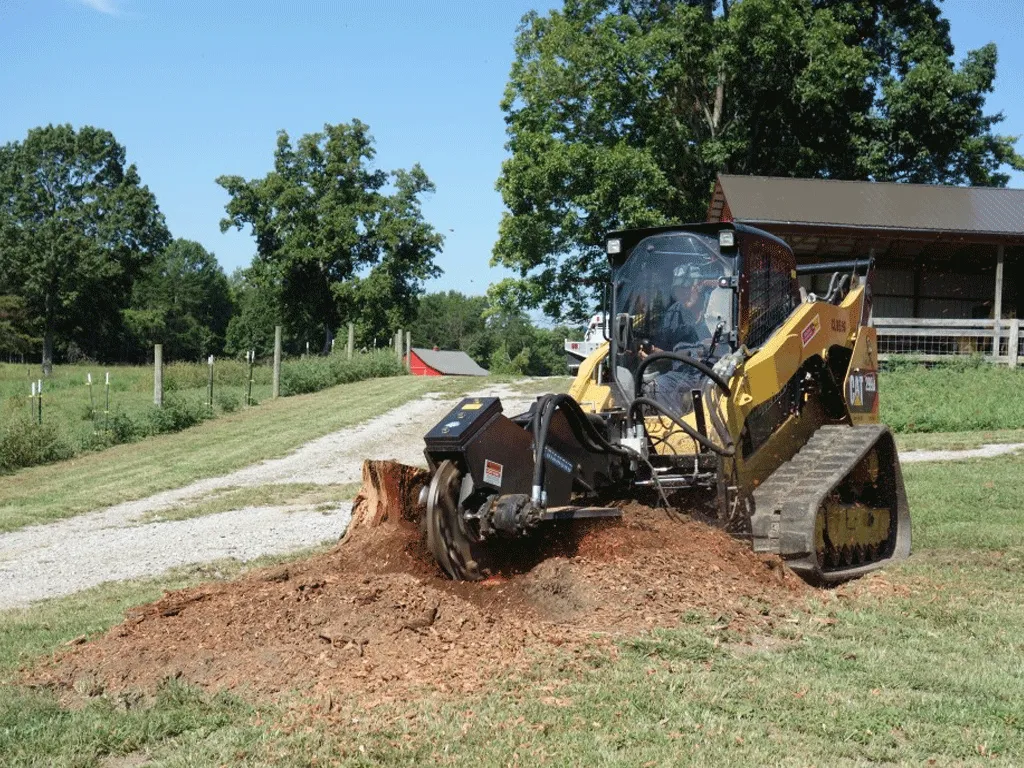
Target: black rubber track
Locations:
point(787, 503)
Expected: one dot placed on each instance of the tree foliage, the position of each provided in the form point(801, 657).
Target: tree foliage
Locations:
point(183, 301)
point(340, 240)
point(621, 112)
point(76, 227)
point(256, 313)
point(450, 320)
point(15, 327)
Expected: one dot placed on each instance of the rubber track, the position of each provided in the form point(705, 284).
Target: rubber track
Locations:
point(787, 503)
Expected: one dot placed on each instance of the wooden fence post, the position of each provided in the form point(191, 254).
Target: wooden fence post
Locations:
point(351, 340)
point(250, 357)
point(276, 392)
point(209, 385)
point(398, 344)
point(408, 350)
point(158, 375)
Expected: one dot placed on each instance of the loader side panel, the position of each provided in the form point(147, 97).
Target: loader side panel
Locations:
point(861, 383)
point(593, 395)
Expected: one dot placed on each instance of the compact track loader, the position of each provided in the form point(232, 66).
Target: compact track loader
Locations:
point(722, 389)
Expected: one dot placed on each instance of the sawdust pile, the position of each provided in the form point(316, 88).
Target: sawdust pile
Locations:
point(374, 616)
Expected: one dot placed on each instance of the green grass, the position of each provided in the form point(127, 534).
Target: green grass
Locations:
point(227, 499)
point(925, 671)
point(962, 396)
point(77, 417)
point(126, 472)
point(66, 398)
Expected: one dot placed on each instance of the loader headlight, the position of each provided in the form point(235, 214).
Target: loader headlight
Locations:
point(727, 238)
point(614, 246)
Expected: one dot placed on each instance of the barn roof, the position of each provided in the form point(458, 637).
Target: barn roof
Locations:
point(867, 205)
point(449, 363)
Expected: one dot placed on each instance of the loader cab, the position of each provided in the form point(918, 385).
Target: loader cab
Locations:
point(697, 289)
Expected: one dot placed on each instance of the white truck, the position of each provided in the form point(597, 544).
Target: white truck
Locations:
point(578, 351)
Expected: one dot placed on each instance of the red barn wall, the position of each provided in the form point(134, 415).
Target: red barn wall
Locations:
point(419, 368)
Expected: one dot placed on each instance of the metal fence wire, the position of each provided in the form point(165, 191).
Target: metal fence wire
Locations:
point(937, 339)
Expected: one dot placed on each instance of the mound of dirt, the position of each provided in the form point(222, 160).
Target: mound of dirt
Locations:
point(375, 617)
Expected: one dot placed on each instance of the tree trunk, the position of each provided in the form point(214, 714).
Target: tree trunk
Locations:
point(385, 523)
point(47, 351)
point(328, 338)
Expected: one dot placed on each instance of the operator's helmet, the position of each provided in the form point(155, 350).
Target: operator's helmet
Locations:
point(685, 275)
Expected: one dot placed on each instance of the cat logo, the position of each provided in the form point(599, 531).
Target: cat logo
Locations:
point(857, 390)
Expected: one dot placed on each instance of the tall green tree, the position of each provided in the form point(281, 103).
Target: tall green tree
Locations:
point(183, 301)
point(621, 112)
point(256, 314)
point(342, 241)
point(15, 327)
point(77, 226)
point(450, 320)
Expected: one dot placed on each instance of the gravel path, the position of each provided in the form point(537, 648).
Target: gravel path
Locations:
point(111, 544)
point(985, 452)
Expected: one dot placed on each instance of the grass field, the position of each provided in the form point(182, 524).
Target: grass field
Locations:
point(66, 398)
point(946, 396)
point(73, 417)
point(923, 668)
point(960, 396)
point(956, 441)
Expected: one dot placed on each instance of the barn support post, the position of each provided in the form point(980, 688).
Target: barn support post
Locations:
point(1014, 343)
point(997, 308)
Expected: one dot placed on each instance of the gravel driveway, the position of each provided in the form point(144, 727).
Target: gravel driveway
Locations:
point(985, 452)
point(112, 544)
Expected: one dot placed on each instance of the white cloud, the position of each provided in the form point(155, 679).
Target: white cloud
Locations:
point(103, 6)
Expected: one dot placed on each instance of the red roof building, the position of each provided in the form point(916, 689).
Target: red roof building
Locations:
point(437, 362)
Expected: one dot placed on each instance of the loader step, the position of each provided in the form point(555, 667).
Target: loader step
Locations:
point(790, 506)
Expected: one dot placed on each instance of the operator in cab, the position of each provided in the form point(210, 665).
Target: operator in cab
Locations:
point(679, 325)
point(680, 331)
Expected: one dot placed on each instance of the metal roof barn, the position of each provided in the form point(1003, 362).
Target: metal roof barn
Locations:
point(946, 257)
point(437, 362)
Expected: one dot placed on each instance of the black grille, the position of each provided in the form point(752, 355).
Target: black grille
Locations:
point(768, 269)
point(769, 415)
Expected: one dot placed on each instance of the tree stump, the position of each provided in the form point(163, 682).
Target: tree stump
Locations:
point(389, 496)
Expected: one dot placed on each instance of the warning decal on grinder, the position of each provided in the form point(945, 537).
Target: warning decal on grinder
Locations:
point(492, 473)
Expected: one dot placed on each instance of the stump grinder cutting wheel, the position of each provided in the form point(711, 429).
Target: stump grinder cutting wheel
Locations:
point(721, 378)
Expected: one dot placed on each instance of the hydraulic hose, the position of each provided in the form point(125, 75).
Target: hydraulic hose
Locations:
point(591, 439)
point(690, 431)
point(538, 411)
point(716, 418)
point(638, 377)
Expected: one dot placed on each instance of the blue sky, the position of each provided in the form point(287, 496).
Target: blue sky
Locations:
point(195, 90)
